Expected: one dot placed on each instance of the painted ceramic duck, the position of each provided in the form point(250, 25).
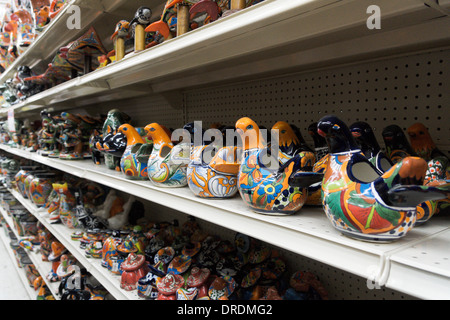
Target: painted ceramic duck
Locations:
point(291, 143)
point(135, 158)
point(362, 203)
point(320, 143)
point(279, 191)
point(422, 143)
point(397, 145)
point(364, 135)
point(162, 170)
point(212, 170)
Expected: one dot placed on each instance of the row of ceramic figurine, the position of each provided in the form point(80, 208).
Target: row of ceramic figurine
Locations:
point(165, 261)
point(361, 188)
point(21, 24)
point(87, 53)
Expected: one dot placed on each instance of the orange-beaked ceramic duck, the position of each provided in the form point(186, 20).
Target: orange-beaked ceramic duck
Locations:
point(422, 143)
point(291, 143)
point(279, 191)
point(362, 203)
point(135, 157)
point(162, 170)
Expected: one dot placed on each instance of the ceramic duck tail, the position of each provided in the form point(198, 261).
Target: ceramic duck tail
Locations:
point(162, 171)
point(136, 154)
point(265, 189)
point(364, 135)
point(362, 203)
point(397, 145)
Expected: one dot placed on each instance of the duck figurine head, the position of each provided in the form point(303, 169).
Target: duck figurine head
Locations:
point(364, 203)
point(135, 157)
point(266, 186)
point(320, 143)
point(365, 136)
point(163, 171)
point(422, 143)
point(397, 145)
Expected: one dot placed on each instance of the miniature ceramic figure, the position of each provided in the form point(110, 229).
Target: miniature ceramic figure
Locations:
point(320, 143)
point(397, 146)
point(162, 171)
point(222, 288)
point(365, 136)
point(134, 268)
point(121, 34)
point(135, 157)
point(67, 205)
point(169, 285)
point(266, 190)
point(41, 187)
point(197, 12)
point(147, 284)
point(422, 143)
point(359, 201)
point(140, 21)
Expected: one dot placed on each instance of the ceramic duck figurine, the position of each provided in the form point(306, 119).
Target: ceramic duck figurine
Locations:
point(320, 143)
point(359, 201)
point(291, 143)
point(135, 158)
point(162, 170)
point(364, 135)
point(216, 178)
point(422, 143)
point(267, 190)
point(397, 146)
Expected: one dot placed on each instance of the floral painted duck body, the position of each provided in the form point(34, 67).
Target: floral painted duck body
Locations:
point(162, 170)
point(362, 203)
point(135, 157)
point(267, 190)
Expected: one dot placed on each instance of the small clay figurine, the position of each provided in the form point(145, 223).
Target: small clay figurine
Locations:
point(397, 146)
point(422, 143)
point(140, 21)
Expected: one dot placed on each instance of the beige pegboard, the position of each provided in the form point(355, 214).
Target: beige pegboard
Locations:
point(401, 90)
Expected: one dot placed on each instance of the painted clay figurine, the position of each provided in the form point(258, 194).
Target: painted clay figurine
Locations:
point(397, 145)
point(422, 143)
point(359, 201)
point(162, 171)
point(279, 191)
point(135, 157)
point(365, 136)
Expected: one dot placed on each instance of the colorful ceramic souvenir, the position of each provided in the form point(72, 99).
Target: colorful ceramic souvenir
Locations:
point(320, 143)
point(147, 285)
point(169, 285)
point(134, 268)
point(203, 12)
point(364, 135)
point(422, 143)
point(110, 248)
point(56, 7)
point(121, 34)
point(83, 53)
point(40, 188)
point(47, 136)
point(303, 281)
point(162, 258)
point(268, 190)
point(198, 277)
point(57, 251)
point(135, 157)
point(140, 21)
point(397, 145)
point(114, 120)
point(179, 264)
point(359, 201)
point(67, 205)
point(222, 288)
point(162, 170)
point(214, 178)
point(290, 143)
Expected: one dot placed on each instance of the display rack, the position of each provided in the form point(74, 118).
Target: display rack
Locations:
point(310, 57)
point(20, 271)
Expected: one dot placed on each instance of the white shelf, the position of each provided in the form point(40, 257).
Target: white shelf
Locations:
point(20, 271)
point(43, 267)
point(272, 37)
point(108, 280)
point(308, 233)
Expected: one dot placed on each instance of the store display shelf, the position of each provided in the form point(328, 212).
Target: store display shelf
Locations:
point(20, 271)
point(107, 279)
point(272, 37)
point(43, 267)
point(307, 233)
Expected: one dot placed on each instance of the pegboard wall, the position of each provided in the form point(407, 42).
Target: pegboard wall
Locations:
point(402, 90)
point(340, 285)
